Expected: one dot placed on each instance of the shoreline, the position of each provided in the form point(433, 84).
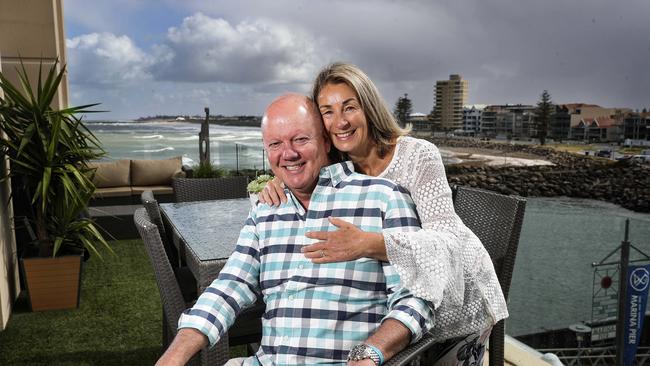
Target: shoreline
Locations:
point(571, 175)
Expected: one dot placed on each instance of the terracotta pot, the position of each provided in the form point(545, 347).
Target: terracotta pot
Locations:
point(53, 283)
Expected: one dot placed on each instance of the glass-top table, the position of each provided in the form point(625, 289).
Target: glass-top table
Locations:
point(208, 231)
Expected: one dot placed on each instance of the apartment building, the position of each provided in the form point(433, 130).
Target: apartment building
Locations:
point(591, 122)
point(510, 121)
point(450, 97)
point(636, 126)
point(472, 119)
point(31, 30)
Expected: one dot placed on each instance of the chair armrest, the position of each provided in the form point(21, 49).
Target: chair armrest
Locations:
point(410, 353)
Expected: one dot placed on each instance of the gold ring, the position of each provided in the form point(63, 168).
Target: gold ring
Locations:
point(322, 253)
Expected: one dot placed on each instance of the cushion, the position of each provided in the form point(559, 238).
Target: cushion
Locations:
point(155, 172)
point(113, 192)
point(111, 174)
point(137, 190)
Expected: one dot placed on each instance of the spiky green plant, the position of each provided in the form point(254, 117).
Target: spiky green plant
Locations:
point(48, 150)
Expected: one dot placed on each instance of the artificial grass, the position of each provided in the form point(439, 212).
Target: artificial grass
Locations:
point(118, 321)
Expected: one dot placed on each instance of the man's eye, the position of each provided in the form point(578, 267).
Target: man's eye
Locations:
point(301, 140)
point(274, 145)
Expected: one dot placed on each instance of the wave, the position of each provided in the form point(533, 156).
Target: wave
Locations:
point(168, 148)
point(187, 138)
point(149, 137)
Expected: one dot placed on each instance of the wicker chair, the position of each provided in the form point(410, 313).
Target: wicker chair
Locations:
point(170, 293)
point(204, 189)
point(153, 210)
point(496, 219)
point(247, 329)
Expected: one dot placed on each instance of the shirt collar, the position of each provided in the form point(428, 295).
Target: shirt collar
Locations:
point(334, 174)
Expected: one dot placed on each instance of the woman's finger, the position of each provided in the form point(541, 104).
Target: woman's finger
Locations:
point(338, 222)
point(318, 235)
point(272, 192)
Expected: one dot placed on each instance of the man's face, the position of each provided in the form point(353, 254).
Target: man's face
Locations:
point(295, 143)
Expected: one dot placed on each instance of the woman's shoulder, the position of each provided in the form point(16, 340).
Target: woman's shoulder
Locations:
point(411, 145)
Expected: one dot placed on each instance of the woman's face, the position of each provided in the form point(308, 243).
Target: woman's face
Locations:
point(344, 119)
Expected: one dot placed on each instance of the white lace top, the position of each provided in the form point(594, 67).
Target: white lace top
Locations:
point(444, 263)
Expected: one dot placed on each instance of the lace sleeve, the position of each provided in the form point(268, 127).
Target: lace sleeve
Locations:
point(429, 261)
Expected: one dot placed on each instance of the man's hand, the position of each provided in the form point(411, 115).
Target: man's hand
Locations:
point(185, 345)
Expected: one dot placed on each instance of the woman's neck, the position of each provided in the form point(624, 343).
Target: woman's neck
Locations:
point(370, 163)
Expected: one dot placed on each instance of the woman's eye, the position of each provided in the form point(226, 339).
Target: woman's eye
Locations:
point(326, 114)
point(349, 109)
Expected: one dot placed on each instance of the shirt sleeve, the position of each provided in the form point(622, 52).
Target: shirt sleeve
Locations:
point(236, 288)
point(415, 313)
point(429, 261)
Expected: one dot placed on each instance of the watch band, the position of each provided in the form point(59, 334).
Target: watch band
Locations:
point(365, 351)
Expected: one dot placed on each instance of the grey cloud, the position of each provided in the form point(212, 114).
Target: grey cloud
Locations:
point(205, 49)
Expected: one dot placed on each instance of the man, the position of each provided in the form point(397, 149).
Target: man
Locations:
point(315, 313)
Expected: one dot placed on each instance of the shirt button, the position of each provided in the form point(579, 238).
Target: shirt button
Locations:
point(301, 266)
point(291, 297)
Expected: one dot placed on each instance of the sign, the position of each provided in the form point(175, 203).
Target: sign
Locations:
point(638, 281)
point(603, 332)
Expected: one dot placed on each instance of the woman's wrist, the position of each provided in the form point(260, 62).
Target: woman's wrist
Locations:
point(374, 246)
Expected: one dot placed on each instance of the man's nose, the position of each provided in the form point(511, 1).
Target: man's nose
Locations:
point(289, 153)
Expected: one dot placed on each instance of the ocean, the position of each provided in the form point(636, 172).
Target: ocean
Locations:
point(230, 146)
point(561, 237)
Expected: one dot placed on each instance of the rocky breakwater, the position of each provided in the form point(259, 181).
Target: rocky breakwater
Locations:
point(623, 183)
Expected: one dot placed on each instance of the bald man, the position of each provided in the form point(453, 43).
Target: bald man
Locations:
point(336, 313)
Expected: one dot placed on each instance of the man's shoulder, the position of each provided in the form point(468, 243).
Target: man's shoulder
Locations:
point(373, 183)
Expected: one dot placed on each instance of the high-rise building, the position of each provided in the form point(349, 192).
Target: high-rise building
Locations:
point(450, 96)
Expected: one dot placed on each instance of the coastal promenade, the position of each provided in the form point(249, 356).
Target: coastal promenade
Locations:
point(570, 175)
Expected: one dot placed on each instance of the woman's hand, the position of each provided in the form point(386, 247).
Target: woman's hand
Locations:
point(345, 244)
point(273, 193)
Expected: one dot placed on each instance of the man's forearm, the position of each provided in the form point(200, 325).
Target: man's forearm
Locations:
point(186, 344)
point(391, 337)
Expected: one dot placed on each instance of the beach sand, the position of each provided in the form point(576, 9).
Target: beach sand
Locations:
point(476, 156)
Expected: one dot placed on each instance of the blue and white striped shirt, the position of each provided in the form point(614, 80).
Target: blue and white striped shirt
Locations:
point(315, 313)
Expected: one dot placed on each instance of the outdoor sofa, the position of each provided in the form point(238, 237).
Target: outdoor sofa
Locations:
point(121, 182)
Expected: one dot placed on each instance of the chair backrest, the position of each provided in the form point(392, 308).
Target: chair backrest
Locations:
point(153, 210)
point(204, 189)
point(496, 220)
point(170, 292)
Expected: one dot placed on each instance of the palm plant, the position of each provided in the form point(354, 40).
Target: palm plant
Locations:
point(48, 150)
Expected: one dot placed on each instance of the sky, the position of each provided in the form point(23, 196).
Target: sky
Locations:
point(151, 57)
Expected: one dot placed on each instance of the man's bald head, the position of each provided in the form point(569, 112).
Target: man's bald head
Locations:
point(293, 106)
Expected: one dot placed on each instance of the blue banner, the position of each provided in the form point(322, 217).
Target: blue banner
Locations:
point(638, 281)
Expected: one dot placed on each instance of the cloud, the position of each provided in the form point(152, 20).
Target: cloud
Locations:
point(103, 59)
point(205, 49)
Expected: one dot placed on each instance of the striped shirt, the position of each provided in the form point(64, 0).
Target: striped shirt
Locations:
point(315, 313)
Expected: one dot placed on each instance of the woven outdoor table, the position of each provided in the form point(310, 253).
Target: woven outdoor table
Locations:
point(209, 231)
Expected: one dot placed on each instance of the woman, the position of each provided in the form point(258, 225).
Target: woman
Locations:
point(444, 263)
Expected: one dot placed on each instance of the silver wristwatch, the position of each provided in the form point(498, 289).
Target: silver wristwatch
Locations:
point(363, 351)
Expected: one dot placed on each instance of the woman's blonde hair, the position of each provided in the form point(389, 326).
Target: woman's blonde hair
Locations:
point(381, 123)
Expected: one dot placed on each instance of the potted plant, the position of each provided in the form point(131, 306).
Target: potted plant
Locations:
point(256, 185)
point(49, 150)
